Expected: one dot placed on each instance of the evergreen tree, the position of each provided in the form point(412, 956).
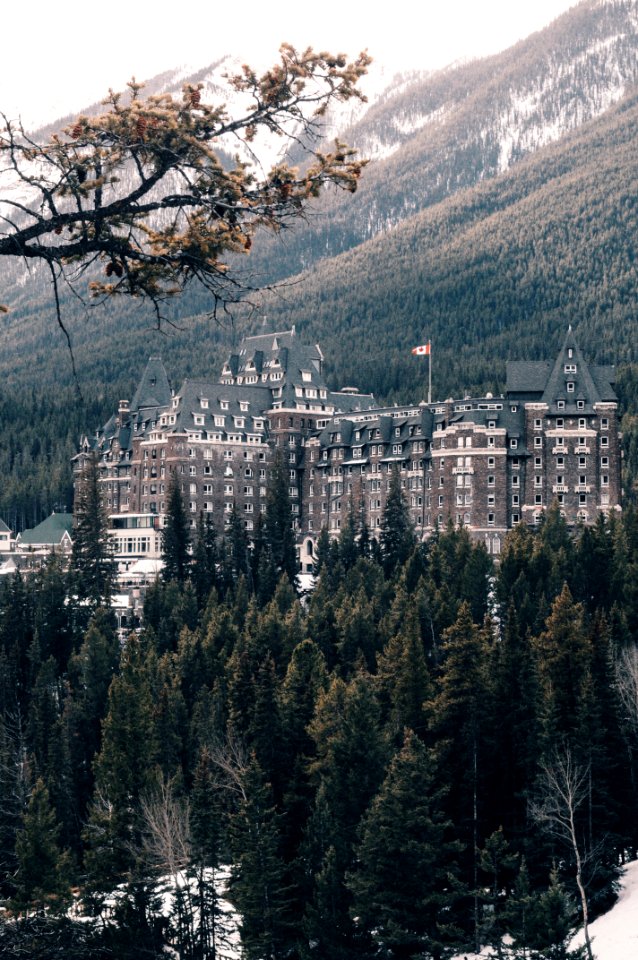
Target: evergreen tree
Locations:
point(397, 533)
point(42, 877)
point(92, 566)
point(256, 886)
point(403, 883)
point(205, 559)
point(404, 679)
point(565, 652)
point(176, 536)
point(122, 770)
point(351, 751)
point(278, 526)
point(459, 712)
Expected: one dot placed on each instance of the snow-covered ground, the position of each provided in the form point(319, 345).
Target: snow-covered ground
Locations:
point(614, 935)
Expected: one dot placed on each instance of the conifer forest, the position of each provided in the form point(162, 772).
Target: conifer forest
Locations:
point(422, 755)
point(428, 753)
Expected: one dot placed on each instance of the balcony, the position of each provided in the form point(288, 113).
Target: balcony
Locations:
point(462, 470)
point(560, 488)
point(581, 448)
point(582, 488)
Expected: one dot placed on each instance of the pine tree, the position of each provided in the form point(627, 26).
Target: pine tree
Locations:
point(278, 526)
point(565, 652)
point(403, 884)
point(404, 679)
point(351, 751)
point(122, 770)
point(459, 714)
point(397, 533)
point(175, 536)
point(257, 888)
point(205, 559)
point(42, 877)
point(92, 567)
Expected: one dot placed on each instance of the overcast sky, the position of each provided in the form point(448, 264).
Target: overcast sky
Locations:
point(57, 57)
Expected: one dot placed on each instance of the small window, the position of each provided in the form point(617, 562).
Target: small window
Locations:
point(513, 443)
point(604, 423)
point(538, 424)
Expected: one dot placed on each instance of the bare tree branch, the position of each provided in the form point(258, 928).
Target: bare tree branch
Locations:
point(563, 788)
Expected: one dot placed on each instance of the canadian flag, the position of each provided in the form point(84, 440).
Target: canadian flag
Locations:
point(423, 351)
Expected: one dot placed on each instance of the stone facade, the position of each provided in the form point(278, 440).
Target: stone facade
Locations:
point(487, 463)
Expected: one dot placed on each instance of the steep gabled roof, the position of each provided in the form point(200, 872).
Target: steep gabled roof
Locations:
point(154, 389)
point(546, 382)
point(570, 370)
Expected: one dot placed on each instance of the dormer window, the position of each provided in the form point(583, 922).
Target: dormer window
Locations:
point(570, 368)
point(243, 405)
point(199, 419)
point(223, 404)
point(203, 402)
point(570, 386)
point(560, 404)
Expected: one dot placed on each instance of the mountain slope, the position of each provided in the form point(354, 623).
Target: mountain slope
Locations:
point(431, 136)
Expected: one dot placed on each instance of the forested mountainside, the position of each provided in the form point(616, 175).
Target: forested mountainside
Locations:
point(379, 765)
point(430, 136)
point(493, 268)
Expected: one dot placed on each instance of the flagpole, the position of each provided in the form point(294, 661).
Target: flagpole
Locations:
point(430, 373)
